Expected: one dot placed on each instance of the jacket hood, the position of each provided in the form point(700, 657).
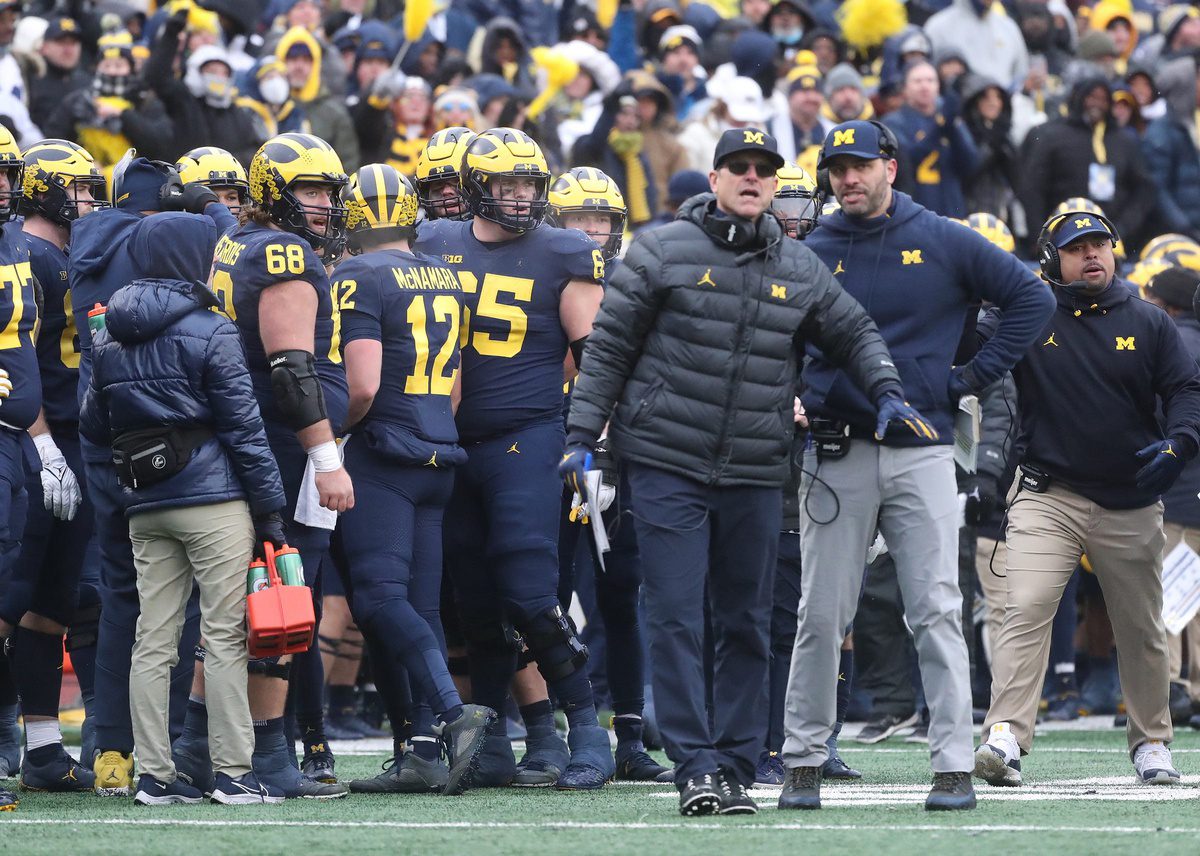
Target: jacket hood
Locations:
point(643, 82)
point(174, 246)
point(1107, 11)
point(95, 239)
point(301, 36)
point(1080, 91)
point(704, 205)
point(973, 88)
point(903, 210)
point(143, 309)
point(411, 64)
point(1176, 82)
point(1090, 304)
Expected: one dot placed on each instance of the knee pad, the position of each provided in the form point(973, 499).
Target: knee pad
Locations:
point(84, 628)
point(270, 667)
point(489, 634)
point(554, 644)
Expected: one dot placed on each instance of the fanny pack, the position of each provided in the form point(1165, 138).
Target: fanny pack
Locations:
point(149, 456)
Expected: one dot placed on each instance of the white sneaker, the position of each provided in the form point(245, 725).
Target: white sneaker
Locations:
point(1152, 760)
point(998, 760)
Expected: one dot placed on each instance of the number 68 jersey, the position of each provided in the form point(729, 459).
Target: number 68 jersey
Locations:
point(246, 263)
point(513, 344)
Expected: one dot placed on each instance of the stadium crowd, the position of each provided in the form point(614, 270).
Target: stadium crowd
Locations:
point(371, 279)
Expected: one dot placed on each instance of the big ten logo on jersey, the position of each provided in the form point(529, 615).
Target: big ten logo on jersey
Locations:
point(452, 260)
point(499, 326)
point(15, 281)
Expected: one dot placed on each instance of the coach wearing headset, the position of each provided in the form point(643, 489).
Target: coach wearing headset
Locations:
point(1094, 462)
point(918, 276)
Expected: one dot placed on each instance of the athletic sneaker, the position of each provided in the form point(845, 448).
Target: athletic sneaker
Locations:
point(1180, 704)
point(700, 795)
point(545, 758)
point(634, 764)
point(152, 791)
point(802, 788)
point(998, 761)
point(878, 730)
point(193, 763)
point(1063, 707)
point(8, 800)
point(835, 768)
point(951, 792)
point(769, 770)
point(735, 799)
point(464, 738)
point(920, 734)
point(413, 775)
point(1153, 763)
point(274, 763)
point(113, 772)
point(318, 766)
point(50, 768)
point(591, 762)
point(246, 789)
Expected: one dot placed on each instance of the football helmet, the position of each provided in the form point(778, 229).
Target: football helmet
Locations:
point(380, 203)
point(797, 202)
point(282, 163)
point(1163, 244)
point(54, 170)
point(439, 161)
point(1082, 203)
point(586, 190)
point(214, 168)
point(505, 153)
point(994, 229)
point(14, 167)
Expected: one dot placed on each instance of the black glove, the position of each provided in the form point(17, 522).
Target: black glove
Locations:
point(1162, 464)
point(193, 198)
point(268, 528)
point(892, 408)
point(982, 497)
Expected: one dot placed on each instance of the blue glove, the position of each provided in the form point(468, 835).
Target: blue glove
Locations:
point(892, 408)
point(958, 385)
point(576, 460)
point(1161, 466)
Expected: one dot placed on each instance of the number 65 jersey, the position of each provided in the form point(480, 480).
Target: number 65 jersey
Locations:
point(513, 344)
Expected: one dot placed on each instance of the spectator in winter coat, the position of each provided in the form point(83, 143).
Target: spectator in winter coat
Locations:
point(987, 113)
point(989, 39)
point(302, 56)
point(61, 52)
point(1172, 158)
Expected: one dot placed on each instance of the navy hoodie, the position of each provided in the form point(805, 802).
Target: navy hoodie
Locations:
point(918, 275)
point(1088, 390)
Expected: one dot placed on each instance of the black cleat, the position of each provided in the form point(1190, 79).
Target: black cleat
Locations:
point(413, 775)
point(700, 796)
point(951, 792)
point(464, 738)
point(318, 766)
point(735, 799)
point(878, 730)
point(801, 788)
point(835, 768)
point(634, 764)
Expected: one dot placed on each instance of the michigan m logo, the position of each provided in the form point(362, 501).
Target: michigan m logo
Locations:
point(1125, 343)
point(1081, 223)
point(911, 257)
point(844, 138)
point(755, 137)
point(779, 292)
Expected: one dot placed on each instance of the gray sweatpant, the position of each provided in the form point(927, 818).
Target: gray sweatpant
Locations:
point(912, 496)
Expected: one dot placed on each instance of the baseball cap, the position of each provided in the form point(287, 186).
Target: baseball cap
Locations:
point(677, 36)
point(747, 140)
point(1077, 224)
point(1174, 286)
point(743, 98)
point(62, 28)
point(859, 138)
point(803, 77)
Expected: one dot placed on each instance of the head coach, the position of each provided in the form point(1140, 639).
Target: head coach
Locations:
point(918, 276)
point(694, 358)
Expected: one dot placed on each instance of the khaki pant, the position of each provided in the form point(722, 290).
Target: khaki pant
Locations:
point(991, 558)
point(1190, 637)
point(211, 544)
point(1047, 533)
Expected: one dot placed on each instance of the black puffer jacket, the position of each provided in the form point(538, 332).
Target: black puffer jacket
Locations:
point(698, 345)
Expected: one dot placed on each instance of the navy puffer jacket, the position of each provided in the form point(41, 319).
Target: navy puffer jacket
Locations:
point(167, 359)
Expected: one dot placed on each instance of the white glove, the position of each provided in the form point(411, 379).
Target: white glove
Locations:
point(60, 488)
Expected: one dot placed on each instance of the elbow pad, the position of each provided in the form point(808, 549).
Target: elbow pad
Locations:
point(297, 388)
point(577, 351)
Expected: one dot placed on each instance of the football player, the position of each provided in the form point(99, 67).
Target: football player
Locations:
point(797, 202)
point(61, 184)
point(220, 172)
point(586, 199)
point(400, 326)
point(20, 392)
point(437, 174)
point(531, 293)
point(270, 276)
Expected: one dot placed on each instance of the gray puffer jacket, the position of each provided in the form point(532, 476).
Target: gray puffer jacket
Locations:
point(697, 346)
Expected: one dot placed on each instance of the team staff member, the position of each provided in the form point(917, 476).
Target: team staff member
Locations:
point(885, 249)
point(400, 327)
point(705, 434)
point(1104, 359)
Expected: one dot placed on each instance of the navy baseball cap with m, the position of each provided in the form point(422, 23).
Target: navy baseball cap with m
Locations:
point(1076, 224)
point(860, 139)
point(737, 140)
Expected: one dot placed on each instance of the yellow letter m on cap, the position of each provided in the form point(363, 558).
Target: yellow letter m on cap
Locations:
point(1086, 221)
point(844, 138)
point(1125, 343)
point(755, 137)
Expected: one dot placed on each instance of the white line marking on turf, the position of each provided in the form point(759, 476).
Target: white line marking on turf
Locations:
point(695, 825)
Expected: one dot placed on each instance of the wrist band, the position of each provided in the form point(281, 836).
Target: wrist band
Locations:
point(325, 457)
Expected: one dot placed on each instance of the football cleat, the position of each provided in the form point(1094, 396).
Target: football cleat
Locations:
point(700, 796)
point(413, 775)
point(319, 766)
point(835, 768)
point(1154, 765)
point(591, 762)
point(246, 789)
point(634, 764)
point(546, 756)
point(497, 764)
point(734, 798)
point(113, 772)
point(151, 791)
point(464, 738)
point(59, 774)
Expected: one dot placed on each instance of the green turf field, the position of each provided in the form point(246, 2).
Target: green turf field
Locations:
point(1082, 799)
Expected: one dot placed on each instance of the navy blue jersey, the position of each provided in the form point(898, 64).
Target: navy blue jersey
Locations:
point(245, 264)
point(412, 304)
point(58, 340)
point(19, 317)
point(513, 343)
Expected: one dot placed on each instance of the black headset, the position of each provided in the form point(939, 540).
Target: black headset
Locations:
point(889, 147)
point(1048, 257)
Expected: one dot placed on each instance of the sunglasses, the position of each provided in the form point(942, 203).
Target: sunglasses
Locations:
point(741, 167)
point(456, 105)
